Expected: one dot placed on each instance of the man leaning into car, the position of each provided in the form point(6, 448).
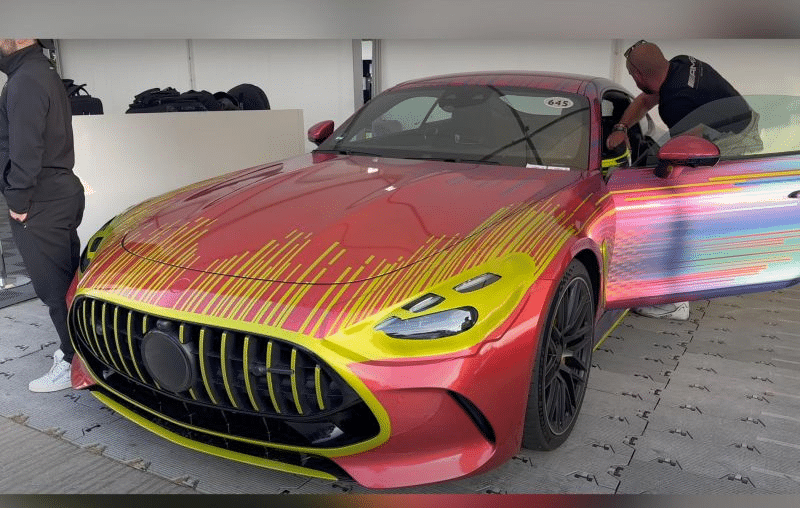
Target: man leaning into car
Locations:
point(45, 198)
point(680, 87)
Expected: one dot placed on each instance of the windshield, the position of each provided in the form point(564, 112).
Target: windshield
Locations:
point(487, 124)
point(772, 128)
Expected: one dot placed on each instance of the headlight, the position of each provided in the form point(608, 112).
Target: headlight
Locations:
point(93, 245)
point(438, 324)
point(430, 326)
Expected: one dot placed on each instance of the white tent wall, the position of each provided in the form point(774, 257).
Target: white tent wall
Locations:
point(402, 60)
point(753, 66)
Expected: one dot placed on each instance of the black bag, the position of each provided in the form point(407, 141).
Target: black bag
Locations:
point(249, 96)
point(81, 104)
point(154, 100)
point(227, 102)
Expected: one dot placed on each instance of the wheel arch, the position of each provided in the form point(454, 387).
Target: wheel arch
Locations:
point(592, 265)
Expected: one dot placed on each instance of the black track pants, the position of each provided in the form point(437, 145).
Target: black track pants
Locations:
point(49, 246)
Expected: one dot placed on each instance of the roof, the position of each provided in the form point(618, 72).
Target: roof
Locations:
point(560, 81)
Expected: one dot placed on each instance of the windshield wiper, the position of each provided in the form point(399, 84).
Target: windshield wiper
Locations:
point(350, 152)
point(457, 159)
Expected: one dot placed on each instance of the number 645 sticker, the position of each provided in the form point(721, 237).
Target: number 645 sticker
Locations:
point(558, 102)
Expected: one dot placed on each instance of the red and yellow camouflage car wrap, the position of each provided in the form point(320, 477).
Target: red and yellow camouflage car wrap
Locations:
point(268, 288)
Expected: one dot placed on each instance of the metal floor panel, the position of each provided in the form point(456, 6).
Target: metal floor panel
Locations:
point(719, 462)
point(754, 375)
point(627, 385)
point(641, 477)
point(41, 464)
point(662, 334)
point(731, 377)
point(646, 368)
point(761, 324)
point(606, 429)
point(605, 404)
point(716, 400)
point(757, 352)
point(724, 432)
point(128, 443)
point(728, 361)
point(636, 351)
point(641, 326)
point(589, 462)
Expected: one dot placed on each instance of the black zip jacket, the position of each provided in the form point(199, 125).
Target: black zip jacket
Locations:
point(36, 146)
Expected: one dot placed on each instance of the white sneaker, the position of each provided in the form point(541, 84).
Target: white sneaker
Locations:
point(57, 379)
point(678, 311)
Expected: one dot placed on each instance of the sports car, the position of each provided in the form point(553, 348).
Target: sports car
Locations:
point(420, 296)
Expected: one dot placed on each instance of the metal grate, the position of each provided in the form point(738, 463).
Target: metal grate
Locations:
point(254, 384)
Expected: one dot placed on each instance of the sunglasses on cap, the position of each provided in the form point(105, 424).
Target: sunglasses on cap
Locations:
point(628, 51)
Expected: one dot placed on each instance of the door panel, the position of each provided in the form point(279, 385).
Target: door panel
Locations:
point(708, 232)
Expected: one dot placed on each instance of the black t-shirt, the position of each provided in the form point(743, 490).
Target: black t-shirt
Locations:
point(692, 84)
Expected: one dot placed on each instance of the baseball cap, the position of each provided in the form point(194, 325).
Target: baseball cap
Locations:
point(47, 43)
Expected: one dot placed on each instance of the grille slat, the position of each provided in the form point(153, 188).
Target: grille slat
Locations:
point(94, 332)
point(270, 381)
point(80, 322)
point(185, 337)
point(249, 349)
point(318, 387)
point(295, 395)
point(104, 328)
point(205, 364)
point(227, 362)
point(89, 332)
point(119, 346)
point(129, 328)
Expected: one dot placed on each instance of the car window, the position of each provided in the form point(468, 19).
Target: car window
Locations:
point(512, 126)
point(773, 128)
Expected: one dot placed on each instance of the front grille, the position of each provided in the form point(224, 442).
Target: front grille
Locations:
point(240, 384)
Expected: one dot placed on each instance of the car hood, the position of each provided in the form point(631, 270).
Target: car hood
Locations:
point(332, 219)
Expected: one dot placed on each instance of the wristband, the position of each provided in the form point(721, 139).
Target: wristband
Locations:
point(620, 127)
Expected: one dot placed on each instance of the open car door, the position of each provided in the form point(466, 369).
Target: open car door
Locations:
point(722, 219)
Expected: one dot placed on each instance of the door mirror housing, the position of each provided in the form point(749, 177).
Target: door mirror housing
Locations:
point(682, 151)
point(321, 131)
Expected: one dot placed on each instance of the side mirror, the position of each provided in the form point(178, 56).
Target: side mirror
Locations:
point(689, 151)
point(321, 131)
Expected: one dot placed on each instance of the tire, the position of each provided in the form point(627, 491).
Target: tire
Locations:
point(563, 361)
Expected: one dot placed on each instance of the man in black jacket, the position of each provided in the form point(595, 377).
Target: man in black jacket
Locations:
point(45, 198)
